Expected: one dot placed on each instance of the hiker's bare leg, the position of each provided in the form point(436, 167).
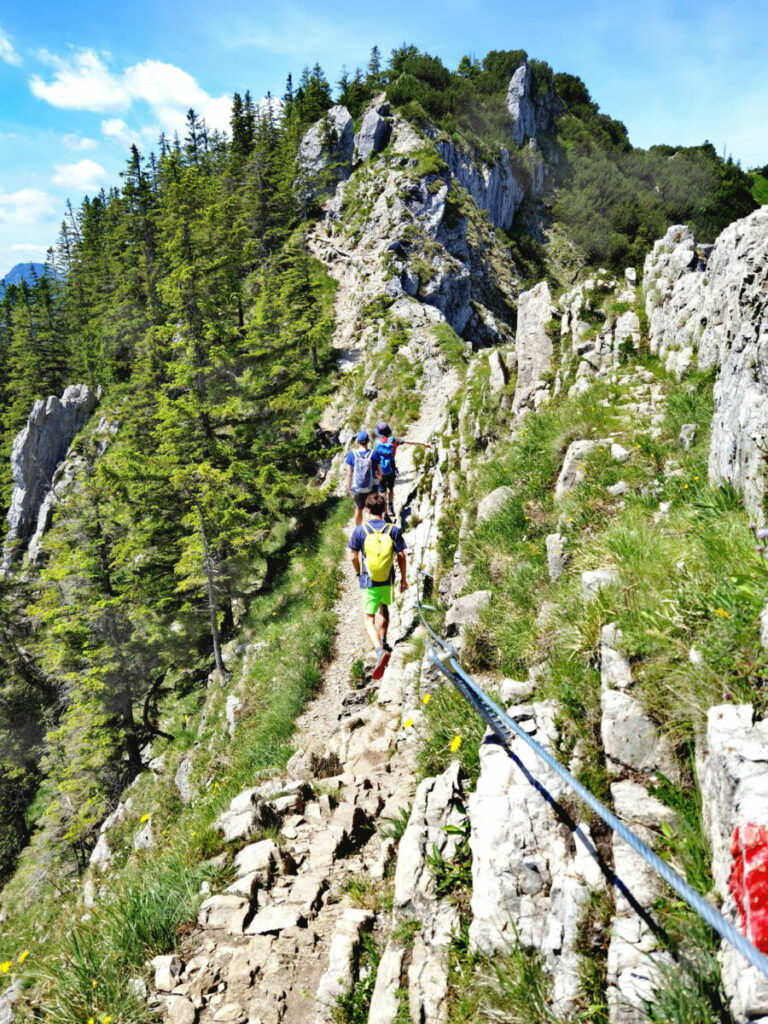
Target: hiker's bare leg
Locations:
point(372, 631)
point(382, 623)
point(358, 516)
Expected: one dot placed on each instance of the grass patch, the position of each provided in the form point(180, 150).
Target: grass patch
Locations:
point(76, 970)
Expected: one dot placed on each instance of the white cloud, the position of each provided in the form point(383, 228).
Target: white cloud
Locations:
point(83, 83)
point(117, 130)
point(79, 142)
point(86, 175)
point(28, 247)
point(27, 206)
point(86, 83)
point(7, 52)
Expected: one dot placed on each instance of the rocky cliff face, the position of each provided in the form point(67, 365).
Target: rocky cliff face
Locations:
point(708, 306)
point(38, 450)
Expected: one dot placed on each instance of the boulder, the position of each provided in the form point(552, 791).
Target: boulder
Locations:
point(182, 779)
point(687, 435)
point(227, 913)
point(572, 472)
point(630, 738)
point(493, 502)
point(374, 132)
point(465, 611)
point(593, 581)
point(37, 451)
point(498, 372)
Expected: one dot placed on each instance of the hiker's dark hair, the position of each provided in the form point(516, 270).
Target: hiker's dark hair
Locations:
point(376, 503)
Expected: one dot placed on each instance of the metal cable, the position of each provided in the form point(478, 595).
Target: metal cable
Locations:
point(446, 660)
point(502, 724)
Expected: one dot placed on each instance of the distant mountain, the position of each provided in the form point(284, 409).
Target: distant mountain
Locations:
point(22, 272)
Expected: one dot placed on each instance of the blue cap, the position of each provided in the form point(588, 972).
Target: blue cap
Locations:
point(383, 429)
point(362, 437)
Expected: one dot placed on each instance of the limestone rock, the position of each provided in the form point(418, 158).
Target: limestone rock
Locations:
point(617, 489)
point(732, 767)
point(374, 132)
point(498, 374)
point(572, 472)
point(630, 738)
point(709, 303)
point(275, 919)
point(465, 611)
point(101, 854)
point(37, 451)
point(261, 859)
point(531, 876)
point(338, 977)
point(494, 187)
point(227, 913)
point(615, 670)
point(593, 581)
point(144, 838)
point(619, 453)
point(687, 435)
point(634, 959)
point(180, 1010)
point(533, 345)
point(493, 502)
point(182, 779)
point(167, 972)
point(329, 141)
point(556, 556)
point(247, 814)
point(520, 104)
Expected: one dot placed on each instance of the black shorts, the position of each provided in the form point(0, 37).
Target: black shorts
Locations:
point(361, 497)
point(387, 482)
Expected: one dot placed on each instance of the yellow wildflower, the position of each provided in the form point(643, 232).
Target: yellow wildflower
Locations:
point(106, 1019)
point(426, 698)
point(91, 1020)
point(722, 613)
point(455, 744)
point(93, 983)
point(144, 817)
point(407, 723)
point(5, 966)
point(22, 956)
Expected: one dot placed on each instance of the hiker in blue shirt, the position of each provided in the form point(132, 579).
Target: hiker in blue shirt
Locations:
point(362, 473)
point(373, 549)
point(384, 452)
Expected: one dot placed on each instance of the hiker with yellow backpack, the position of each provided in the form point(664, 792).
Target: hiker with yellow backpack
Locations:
point(373, 548)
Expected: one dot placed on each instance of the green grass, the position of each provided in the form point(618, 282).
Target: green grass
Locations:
point(451, 345)
point(80, 969)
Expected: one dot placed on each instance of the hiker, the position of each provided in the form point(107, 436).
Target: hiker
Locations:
point(373, 548)
point(361, 474)
point(384, 451)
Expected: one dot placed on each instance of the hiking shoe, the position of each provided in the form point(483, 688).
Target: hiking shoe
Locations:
point(382, 659)
point(386, 646)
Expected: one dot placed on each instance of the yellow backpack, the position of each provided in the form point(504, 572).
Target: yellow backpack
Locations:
point(378, 551)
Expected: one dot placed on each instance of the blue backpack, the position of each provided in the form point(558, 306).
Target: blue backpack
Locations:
point(385, 450)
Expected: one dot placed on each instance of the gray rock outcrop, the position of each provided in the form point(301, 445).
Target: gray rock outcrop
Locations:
point(532, 111)
point(708, 304)
point(733, 777)
point(38, 450)
point(326, 150)
point(494, 187)
point(533, 346)
point(374, 133)
point(531, 874)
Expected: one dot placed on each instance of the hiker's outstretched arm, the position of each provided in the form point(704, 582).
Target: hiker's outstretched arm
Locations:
point(420, 444)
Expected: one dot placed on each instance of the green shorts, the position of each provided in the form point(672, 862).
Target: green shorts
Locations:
point(374, 597)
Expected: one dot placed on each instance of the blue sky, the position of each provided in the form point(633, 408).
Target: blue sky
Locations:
point(80, 81)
